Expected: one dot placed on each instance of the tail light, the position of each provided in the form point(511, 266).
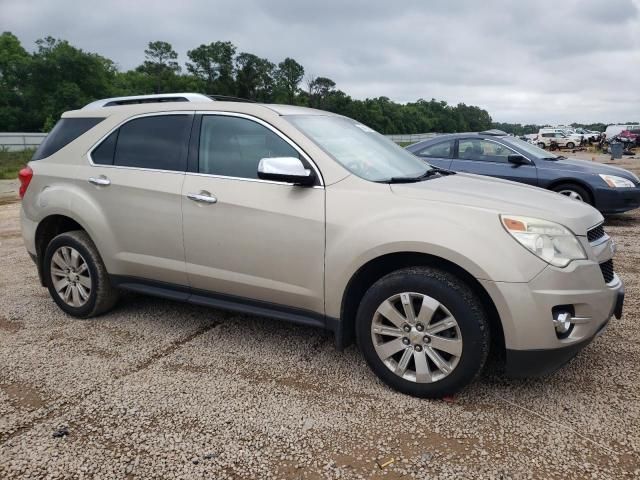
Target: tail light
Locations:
point(25, 175)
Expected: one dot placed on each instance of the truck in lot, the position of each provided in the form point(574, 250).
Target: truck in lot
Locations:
point(302, 215)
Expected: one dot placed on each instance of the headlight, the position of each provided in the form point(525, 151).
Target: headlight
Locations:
point(616, 182)
point(550, 241)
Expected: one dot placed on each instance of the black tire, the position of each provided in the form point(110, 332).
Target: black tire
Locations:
point(571, 145)
point(573, 187)
point(541, 145)
point(102, 296)
point(450, 292)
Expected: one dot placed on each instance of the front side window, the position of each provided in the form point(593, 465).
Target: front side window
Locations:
point(234, 146)
point(439, 150)
point(483, 151)
point(358, 148)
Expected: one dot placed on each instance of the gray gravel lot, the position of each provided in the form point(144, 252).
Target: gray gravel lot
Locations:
point(157, 389)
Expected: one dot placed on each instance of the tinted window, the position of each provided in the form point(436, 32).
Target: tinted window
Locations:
point(158, 142)
point(233, 146)
point(482, 150)
point(439, 150)
point(106, 150)
point(64, 132)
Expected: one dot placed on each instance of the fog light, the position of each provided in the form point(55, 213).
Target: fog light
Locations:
point(562, 322)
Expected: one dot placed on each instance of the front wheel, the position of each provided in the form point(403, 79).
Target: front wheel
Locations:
point(541, 144)
point(571, 145)
point(575, 192)
point(423, 332)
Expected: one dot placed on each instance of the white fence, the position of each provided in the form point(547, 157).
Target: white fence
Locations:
point(14, 142)
point(411, 137)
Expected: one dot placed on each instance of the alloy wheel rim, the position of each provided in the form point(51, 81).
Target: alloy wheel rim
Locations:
point(572, 194)
point(70, 276)
point(416, 337)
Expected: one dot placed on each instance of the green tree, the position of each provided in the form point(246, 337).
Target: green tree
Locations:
point(254, 77)
point(213, 65)
point(14, 70)
point(160, 65)
point(320, 88)
point(288, 76)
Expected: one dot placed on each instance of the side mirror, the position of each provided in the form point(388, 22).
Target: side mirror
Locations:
point(285, 169)
point(517, 159)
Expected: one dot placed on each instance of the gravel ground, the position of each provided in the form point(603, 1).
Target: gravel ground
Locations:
point(157, 389)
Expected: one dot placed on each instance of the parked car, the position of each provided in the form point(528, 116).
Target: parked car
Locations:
point(574, 139)
point(556, 139)
point(608, 188)
point(614, 130)
point(306, 216)
point(588, 134)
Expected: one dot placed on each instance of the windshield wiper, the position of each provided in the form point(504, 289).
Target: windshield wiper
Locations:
point(429, 173)
point(561, 157)
point(551, 158)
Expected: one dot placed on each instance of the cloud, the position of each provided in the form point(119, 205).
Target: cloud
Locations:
point(545, 61)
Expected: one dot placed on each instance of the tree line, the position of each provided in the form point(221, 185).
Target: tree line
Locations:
point(36, 87)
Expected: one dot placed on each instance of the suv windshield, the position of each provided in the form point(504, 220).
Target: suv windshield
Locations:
point(528, 148)
point(359, 149)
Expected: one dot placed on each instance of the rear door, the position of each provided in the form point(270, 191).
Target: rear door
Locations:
point(135, 175)
point(438, 154)
point(488, 157)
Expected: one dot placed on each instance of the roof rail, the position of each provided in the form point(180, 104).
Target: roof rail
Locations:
point(494, 132)
point(158, 98)
point(229, 98)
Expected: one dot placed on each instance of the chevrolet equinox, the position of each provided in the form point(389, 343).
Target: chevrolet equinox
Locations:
point(306, 216)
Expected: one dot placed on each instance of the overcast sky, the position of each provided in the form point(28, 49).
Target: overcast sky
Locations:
point(543, 61)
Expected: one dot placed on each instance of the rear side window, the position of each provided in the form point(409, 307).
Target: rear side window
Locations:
point(158, 142)
point(64, 132)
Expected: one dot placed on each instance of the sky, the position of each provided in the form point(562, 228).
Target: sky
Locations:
point(543, 61)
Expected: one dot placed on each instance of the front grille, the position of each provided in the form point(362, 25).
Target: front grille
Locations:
point(607, 270)
point(595, 233)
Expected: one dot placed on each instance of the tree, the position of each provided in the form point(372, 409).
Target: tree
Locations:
point(289, 75)
point(213, 65)
point(319, 90)
point(254, 77)
point(160, 64)
point(14, 71)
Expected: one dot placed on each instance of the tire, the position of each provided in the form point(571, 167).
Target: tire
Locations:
point(84, 272)
point(571, 145)
point(541, 145)
point(444, 296)
point(574, 191)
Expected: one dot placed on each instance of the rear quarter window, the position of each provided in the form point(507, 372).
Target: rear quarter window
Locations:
point(63, 133)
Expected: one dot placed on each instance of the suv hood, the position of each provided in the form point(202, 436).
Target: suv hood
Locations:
point(503, 196)
point(584, 166)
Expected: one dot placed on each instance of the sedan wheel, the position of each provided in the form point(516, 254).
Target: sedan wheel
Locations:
point(416, 337)
point(70, 276)
point(572, 194)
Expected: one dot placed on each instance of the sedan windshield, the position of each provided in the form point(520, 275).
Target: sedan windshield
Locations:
point(361, 150)
point(529, 148)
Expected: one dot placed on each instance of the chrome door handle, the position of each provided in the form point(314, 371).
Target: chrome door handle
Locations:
point(202, 197)
point(101, 181)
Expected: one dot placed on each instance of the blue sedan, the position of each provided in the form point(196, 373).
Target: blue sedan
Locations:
point(494, 153)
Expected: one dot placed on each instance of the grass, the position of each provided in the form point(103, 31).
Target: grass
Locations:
point(12, 162)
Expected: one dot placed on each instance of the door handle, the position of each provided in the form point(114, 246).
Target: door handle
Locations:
point(202, 197)
point(101, 181)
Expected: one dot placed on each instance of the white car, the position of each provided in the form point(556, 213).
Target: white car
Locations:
point(576, 138)
point(547, 138)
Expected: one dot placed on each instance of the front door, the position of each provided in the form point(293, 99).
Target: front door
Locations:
point(245, 237)
point(486, 157)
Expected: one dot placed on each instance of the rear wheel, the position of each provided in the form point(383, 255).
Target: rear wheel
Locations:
point(575, 192)
point(423, 332)
point(571, 145)
point(541, 144)
point(76, 276)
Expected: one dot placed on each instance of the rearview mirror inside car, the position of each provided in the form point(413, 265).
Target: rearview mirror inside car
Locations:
point(285, 169)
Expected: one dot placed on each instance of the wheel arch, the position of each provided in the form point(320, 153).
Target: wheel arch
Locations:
point(378, 267)
point(48, 228)
point(573, 181)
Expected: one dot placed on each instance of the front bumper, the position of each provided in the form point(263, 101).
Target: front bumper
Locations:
point(526, 314)
point(617, 200)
